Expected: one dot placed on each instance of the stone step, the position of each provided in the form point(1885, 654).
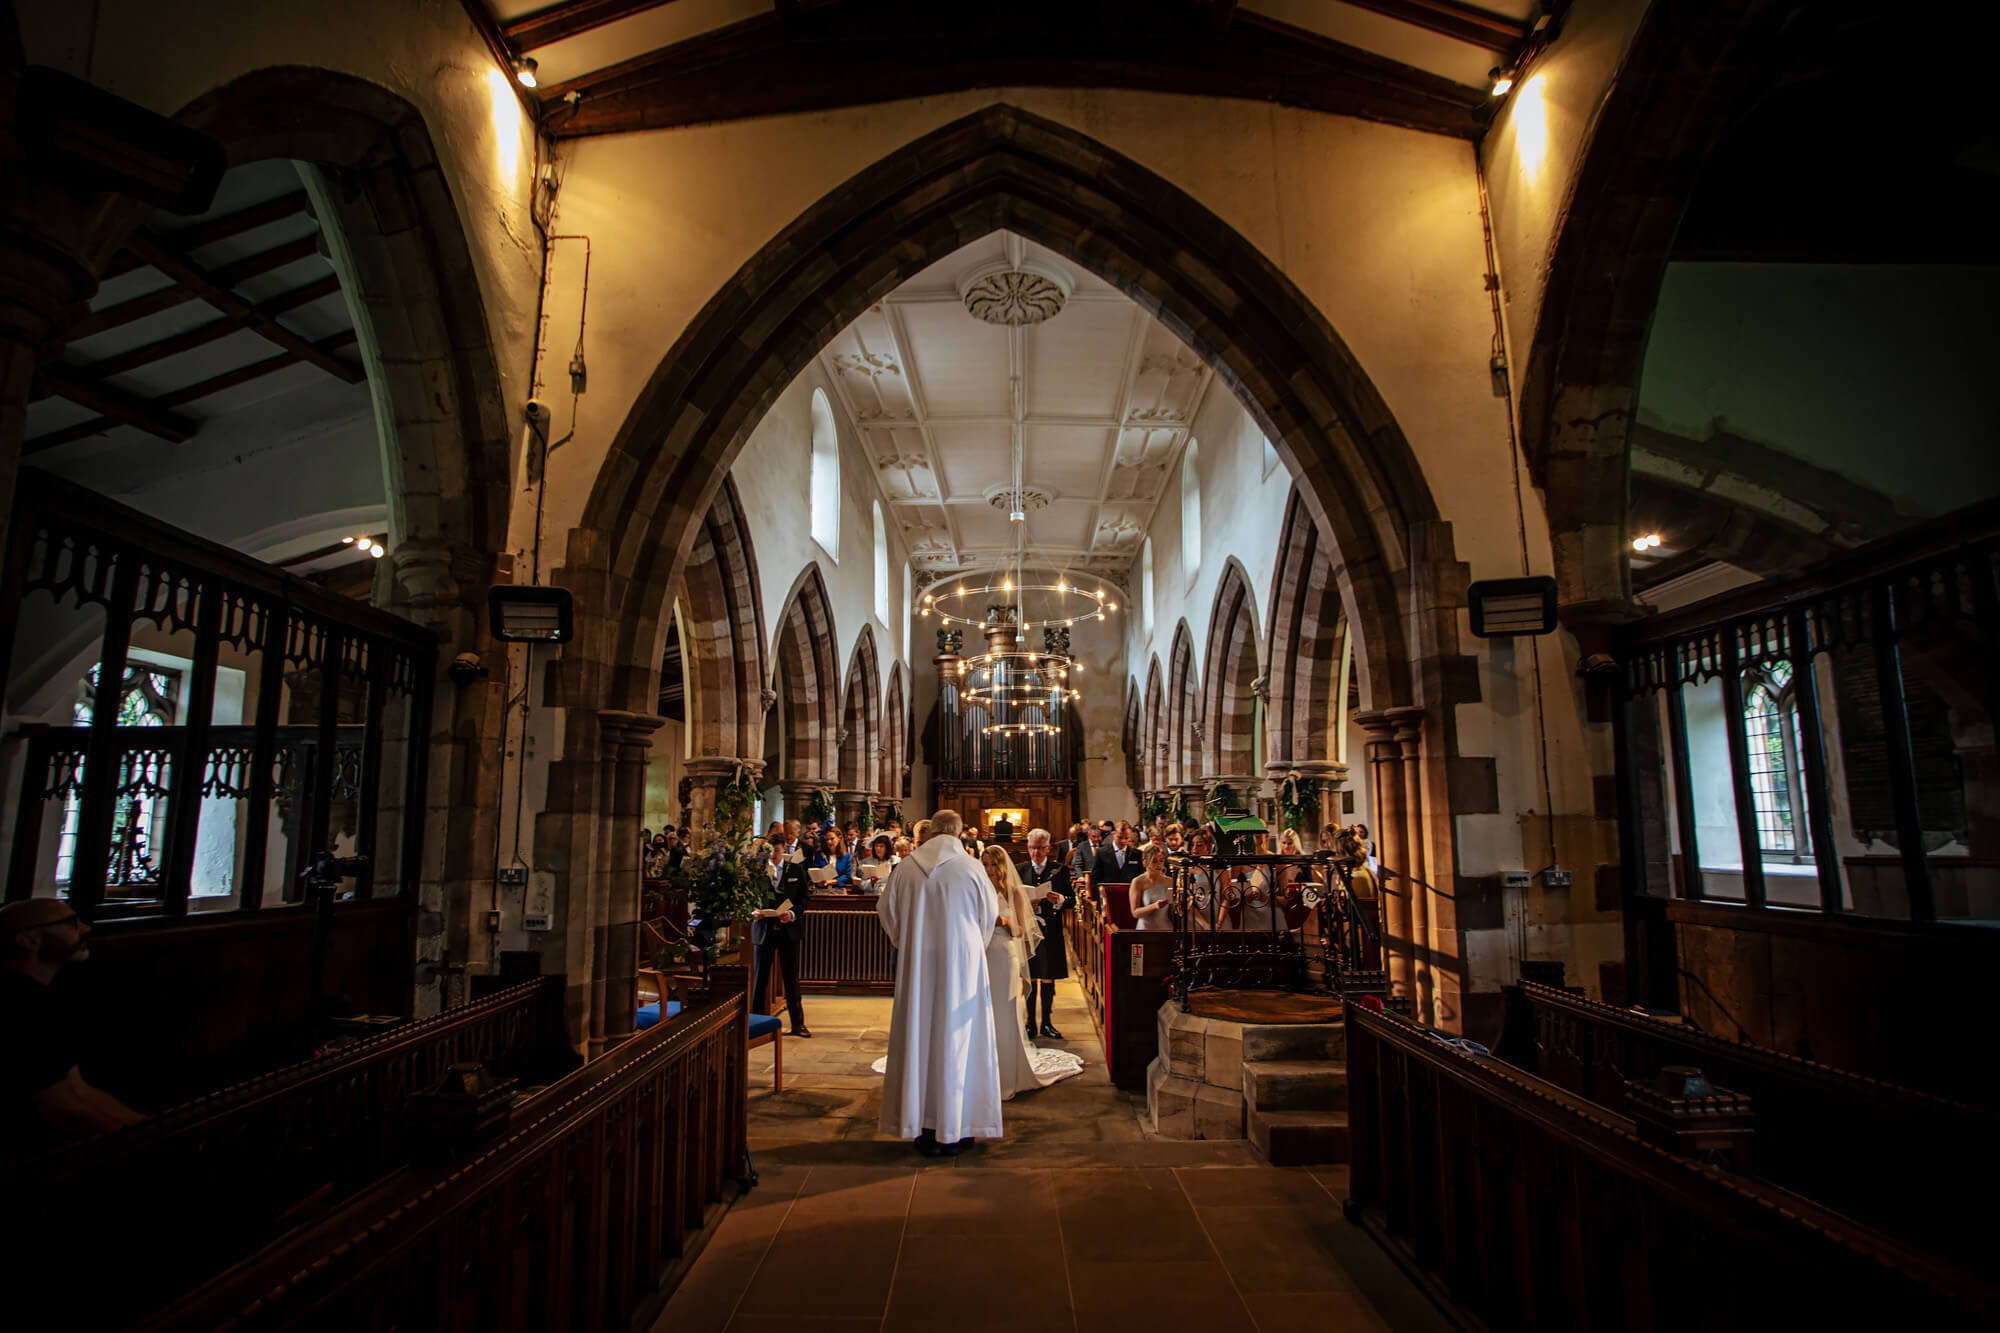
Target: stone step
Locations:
point(1295, 1041)
point(1294, 1085)
point(1300, 1138)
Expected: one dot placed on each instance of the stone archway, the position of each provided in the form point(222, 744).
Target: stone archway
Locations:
point(1153, 764)
point(1134, 759)
point(895, 738)
point(1229, 665)
point(1000, 168)
point(1303, 653)
point(1183, 709)
point(808, 688)
point(1004, 169)
point(724, 617)
point(861, 719)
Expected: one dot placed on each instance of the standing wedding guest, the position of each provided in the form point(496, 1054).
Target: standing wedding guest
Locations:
point(1023, 1067)
point(44, 1097)
point(941, 1082)
point(880, 857)
point(777, 927)
point(1250, 894)
point(833, 854)
point(902, 850)
point(1152, 892)
point(1117, 862)
point(1204, 904)
point(1048, 885)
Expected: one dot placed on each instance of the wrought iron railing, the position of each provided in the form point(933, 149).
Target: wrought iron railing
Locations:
point(1274, 922)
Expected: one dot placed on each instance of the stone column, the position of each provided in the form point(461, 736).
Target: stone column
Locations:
point(706, 777)
point(624, 741)
point(798, 791)
point(1394, 747)
point(847, 803)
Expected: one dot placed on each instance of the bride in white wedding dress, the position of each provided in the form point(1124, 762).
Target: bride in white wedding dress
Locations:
point(1023, 1068)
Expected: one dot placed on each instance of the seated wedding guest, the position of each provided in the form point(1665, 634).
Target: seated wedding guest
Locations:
point(1152, 892)
point(44, 1097)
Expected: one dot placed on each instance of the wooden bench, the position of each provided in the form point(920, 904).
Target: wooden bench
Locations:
point(1917, 1166)
point(1527, 1206)
point(220, 1174)
point(578, 1214)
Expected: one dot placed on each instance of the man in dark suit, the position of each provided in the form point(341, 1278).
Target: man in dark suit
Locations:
point(1048, 884)
point(777, 930)
point(1003, 829)
point(1117, 859)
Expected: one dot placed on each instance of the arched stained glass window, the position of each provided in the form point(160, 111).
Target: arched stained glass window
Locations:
point(1777, 787)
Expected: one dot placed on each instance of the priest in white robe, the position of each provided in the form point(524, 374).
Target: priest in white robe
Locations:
point(941, 1084)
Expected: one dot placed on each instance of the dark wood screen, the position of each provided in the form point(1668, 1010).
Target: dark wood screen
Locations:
point(332, 700)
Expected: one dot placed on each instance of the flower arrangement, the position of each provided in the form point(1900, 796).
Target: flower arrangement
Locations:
point(1220, 796)
point(819, 806)
point(1177, 807)
point(1298, 802)
point(1152, 808)
point(722, 884)
point(733, 805)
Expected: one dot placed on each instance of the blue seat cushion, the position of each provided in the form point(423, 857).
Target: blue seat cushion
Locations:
point(763, 1025)
point(649, 1014)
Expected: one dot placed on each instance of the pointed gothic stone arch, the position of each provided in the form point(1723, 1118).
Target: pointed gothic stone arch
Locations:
point(1183, 709)
point(1307, 619)
point(999, 168)
point(896, 738)
point(724, 618)
point(807, 682)
point(1153, 730)
point(1134, 760)
point(1229, 666)
point(861, 718)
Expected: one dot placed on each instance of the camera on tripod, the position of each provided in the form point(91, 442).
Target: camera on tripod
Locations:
point(326, 870)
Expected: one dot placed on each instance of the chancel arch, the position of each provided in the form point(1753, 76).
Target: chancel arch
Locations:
point(724, 625)
point(1184, 722)
point(861, 718)
point(807, 683)
point(1229, 668)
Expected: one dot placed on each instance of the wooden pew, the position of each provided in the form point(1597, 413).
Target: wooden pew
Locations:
point(578, 1215)
point(1917, 1166)
point(1530, 1207)
point(216, 1177)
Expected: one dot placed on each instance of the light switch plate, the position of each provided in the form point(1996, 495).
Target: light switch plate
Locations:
point(1516, 879)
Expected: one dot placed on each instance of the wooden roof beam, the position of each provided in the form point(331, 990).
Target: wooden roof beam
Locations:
point(1474, 27)
point(161, 349)
point(205, 285)
point(545, 27)
point(117, 406)
point(166, 298)
point(860, 56)
point(220, 228)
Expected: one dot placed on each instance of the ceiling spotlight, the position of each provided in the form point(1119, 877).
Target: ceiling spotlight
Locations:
point(347, 541)
point(524, 71)
point(1503, 81)
point(1647, 542)
point(375, 549)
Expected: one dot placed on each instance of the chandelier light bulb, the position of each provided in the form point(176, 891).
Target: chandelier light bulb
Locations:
point(375, 549)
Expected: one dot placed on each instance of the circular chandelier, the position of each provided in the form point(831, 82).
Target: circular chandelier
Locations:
point(1020, 691)
point(1064, 603)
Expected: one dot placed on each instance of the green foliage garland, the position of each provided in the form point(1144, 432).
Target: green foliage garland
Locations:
point(1152, 808)
point(819, 806)
point(1298, 801)
point(866, 821)
point(1221, 796)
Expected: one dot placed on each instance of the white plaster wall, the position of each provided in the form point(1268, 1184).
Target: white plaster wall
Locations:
point(771, 480)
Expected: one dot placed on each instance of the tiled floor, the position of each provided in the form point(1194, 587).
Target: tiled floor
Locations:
point(1076, 1220)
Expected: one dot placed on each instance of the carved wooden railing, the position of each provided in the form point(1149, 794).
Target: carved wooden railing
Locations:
point(217, 1176)
point(576, 1217)
point(1868, 1148)
point(1533, 1208)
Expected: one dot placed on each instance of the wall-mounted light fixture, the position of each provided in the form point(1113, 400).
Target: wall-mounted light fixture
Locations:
point(1650, 541)
point(1505, 607)
point(524, 71)
point(529, 614)
point(1502, 81)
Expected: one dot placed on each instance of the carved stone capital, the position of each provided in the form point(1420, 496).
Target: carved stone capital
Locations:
point(620, 734)
point(769, 697)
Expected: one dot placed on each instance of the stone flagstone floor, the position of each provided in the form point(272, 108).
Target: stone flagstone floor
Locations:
point(1077, 1220)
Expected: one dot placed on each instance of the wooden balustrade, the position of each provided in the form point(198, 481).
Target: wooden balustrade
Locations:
point(1529, 1207)
point(213, 1178)
point(845, 947)
point(1873, 1150)
point(578, 1215)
